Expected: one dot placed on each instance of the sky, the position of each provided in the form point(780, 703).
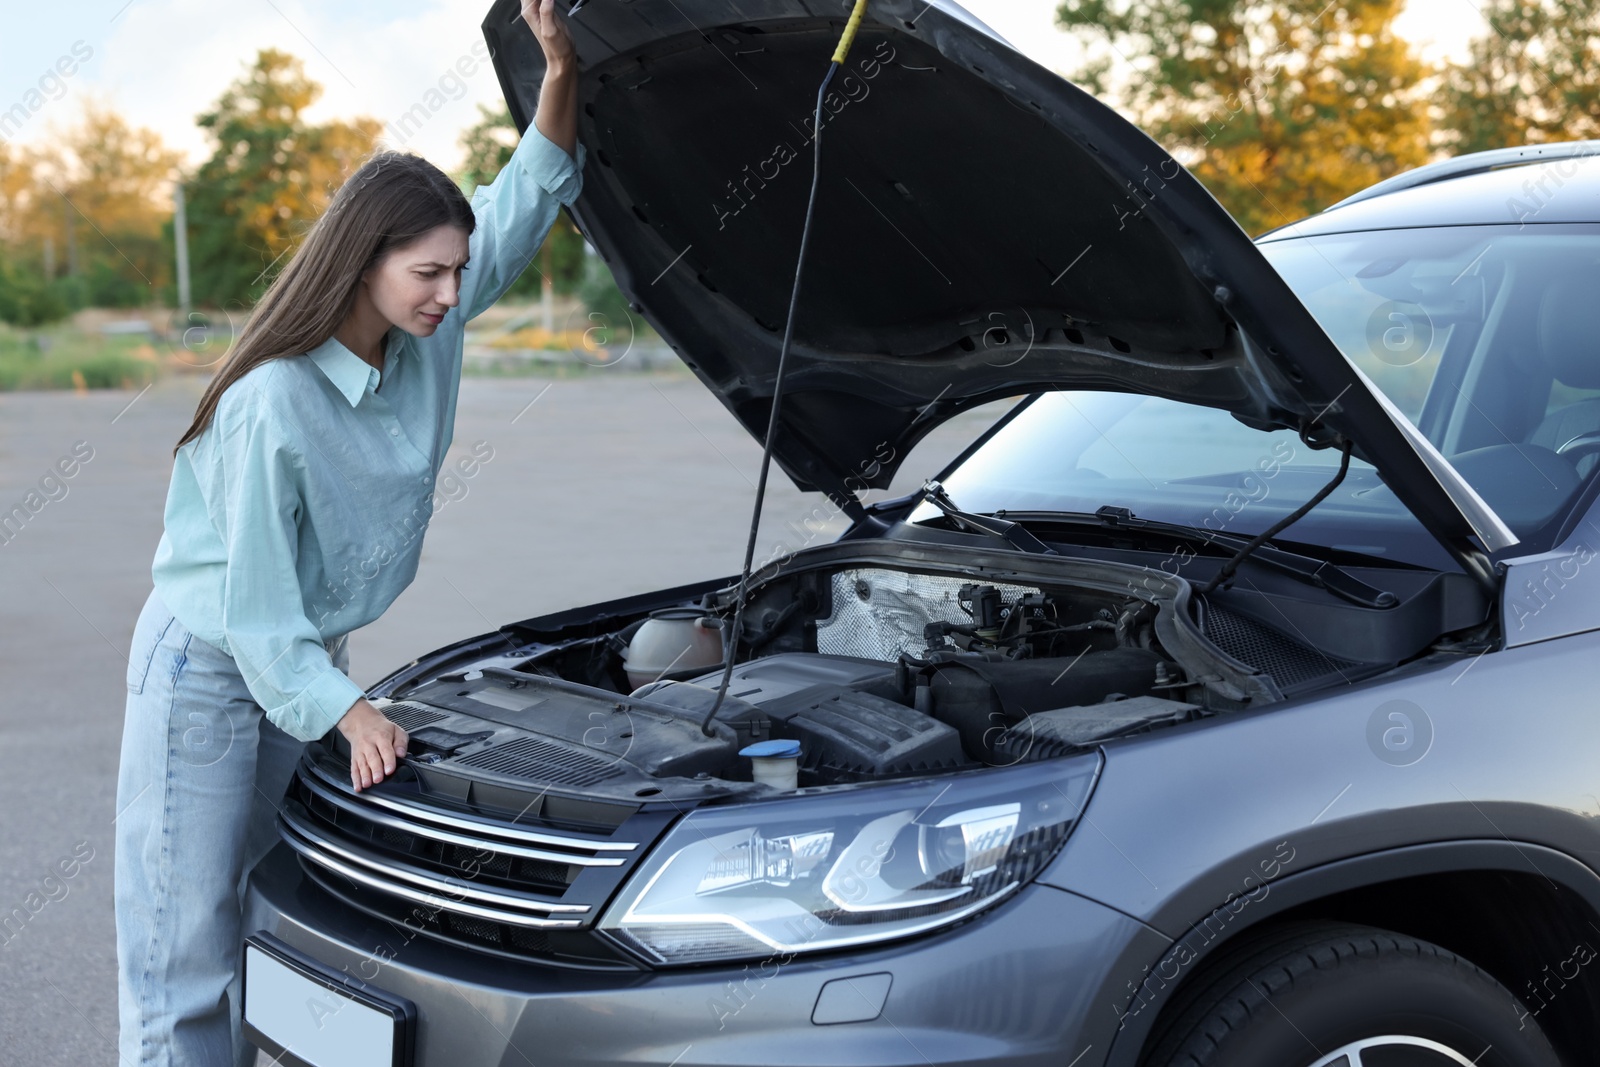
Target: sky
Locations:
point(162, 62)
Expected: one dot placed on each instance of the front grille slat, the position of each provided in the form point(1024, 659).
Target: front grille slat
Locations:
point(380, 872)
point(350, 803)
point(499, 832)
point(433, 901)
point(515, 942)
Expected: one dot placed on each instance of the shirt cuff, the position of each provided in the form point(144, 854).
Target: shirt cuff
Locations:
point(548, 164)
point(317, 707)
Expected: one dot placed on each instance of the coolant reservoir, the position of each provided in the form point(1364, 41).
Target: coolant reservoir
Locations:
point(673, 643)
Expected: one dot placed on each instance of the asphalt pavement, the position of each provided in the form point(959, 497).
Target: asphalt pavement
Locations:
point(596, 487)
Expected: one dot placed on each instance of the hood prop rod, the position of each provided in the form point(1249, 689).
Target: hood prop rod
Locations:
point(1284, 523)
point(731, 638)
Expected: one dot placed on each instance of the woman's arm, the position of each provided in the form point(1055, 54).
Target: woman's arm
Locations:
point(517, 209)
point(255, 503)
point(557, 117)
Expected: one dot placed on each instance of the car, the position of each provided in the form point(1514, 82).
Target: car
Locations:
point(1223, 703)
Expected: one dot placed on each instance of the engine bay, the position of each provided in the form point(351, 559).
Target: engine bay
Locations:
point(866, 668)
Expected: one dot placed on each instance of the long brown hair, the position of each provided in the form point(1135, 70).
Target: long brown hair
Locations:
point(393, 199)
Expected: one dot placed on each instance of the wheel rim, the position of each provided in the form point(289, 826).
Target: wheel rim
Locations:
point(1393, 1050)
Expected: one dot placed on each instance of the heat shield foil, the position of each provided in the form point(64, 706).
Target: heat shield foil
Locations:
point(878, 614)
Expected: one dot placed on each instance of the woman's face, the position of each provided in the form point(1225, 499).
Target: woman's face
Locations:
point(416, 284)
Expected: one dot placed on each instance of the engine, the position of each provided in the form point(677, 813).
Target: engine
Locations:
point(866, 672)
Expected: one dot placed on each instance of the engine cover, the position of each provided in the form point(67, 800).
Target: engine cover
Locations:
point(846, 714)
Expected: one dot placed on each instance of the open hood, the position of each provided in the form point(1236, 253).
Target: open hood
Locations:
point(984, 229)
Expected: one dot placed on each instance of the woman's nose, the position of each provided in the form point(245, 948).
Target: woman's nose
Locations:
point(450, 293)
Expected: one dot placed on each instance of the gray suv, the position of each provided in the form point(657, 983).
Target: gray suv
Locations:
point(1220, 705)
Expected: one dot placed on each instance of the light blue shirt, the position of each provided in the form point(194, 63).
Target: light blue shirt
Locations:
point(298, 515)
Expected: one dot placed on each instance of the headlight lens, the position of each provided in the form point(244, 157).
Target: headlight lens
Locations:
point(807, 874)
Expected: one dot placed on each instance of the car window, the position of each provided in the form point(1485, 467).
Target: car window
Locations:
point(1485, 337)
point(1179, 463)
point(1562, 396)
point(1480, 335)
point(1477, 333)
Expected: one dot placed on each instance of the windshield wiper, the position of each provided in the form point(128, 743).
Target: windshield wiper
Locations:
point(1318, 572)
point(1323, 574)
point(1013, 533)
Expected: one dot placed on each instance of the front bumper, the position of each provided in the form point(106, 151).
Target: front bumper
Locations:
point(1034, 981)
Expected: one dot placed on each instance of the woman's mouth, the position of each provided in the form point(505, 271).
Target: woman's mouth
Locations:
point(432, 319)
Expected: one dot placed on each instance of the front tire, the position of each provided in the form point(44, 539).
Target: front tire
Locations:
point(1327, 995)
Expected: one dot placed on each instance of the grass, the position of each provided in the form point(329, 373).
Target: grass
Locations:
point(563, 369)
point(534, 351)
point(65, 358)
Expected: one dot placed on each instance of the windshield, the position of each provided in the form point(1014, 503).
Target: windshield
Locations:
point(1486, 337)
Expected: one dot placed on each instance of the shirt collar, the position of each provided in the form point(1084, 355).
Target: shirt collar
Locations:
point(349, 373)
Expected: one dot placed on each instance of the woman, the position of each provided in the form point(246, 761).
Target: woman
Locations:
point(296, 511)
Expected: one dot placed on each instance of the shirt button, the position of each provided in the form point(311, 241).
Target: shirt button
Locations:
point(426, 479)
point(394, 431)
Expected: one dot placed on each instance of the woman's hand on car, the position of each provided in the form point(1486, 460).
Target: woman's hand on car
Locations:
point(551, 30)
point(375, 744)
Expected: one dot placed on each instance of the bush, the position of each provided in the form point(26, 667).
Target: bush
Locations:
point(105, 287)
point(73, 362)
point(27, 300)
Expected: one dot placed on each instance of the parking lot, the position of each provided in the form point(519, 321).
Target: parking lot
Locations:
point(595, 487)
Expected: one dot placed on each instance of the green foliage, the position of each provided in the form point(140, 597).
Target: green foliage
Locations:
point(65, 359)
point(1533, 76)
point(270, 176)
point(1279, 108)
point(27, 299)
point(488, 145)
point(105, 286)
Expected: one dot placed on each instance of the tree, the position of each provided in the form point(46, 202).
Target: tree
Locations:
point(1280, 108)
point(82, 217)
point(488, 145)
point(111, 187)
point(1533, 76)
point(269, 178)
point(15, 180)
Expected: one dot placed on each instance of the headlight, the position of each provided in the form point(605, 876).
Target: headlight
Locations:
point(807, 874)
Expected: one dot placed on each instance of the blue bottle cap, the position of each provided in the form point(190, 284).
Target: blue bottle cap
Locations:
point(772, 750)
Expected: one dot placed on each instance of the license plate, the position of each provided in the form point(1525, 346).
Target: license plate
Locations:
point(296, 1006)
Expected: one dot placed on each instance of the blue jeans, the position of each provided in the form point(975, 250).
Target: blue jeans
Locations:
point(201, 777)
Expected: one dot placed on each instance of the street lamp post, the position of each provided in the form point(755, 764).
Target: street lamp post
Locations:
point(180, 234)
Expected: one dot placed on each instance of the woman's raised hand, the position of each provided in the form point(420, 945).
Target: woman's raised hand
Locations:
point(557, 117)
point(548, 27)
point(375, 744)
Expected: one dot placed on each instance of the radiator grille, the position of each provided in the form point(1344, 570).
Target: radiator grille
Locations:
point(504, 886)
